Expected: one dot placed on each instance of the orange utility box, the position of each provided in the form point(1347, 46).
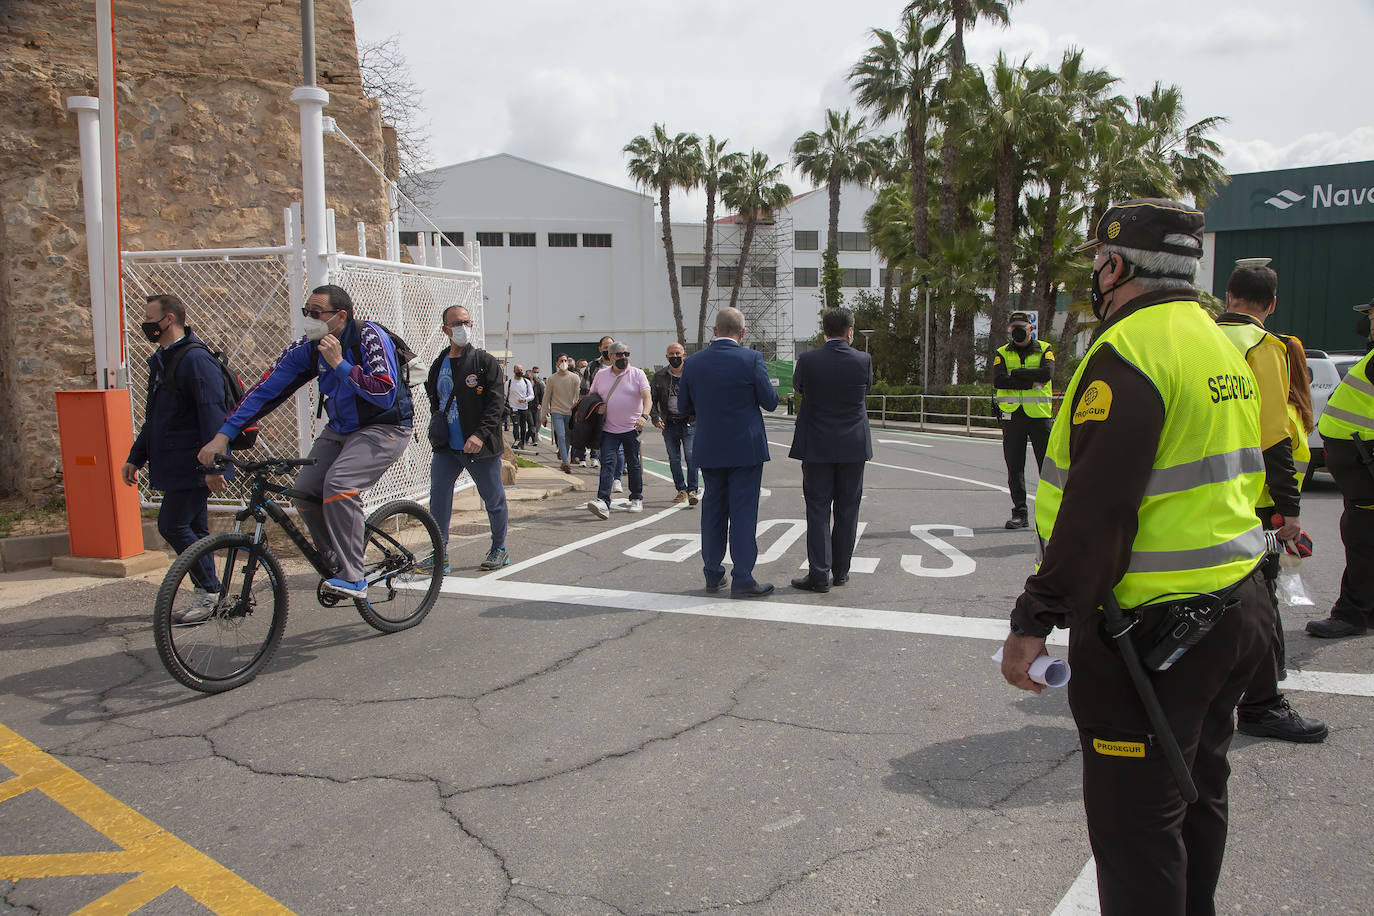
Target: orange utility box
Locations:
point(96, 430)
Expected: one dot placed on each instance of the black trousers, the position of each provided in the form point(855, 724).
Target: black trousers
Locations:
point(1156, 853)
point(828, 486)
point(1262, 693)
point(1356, 602)
point(1017, 429)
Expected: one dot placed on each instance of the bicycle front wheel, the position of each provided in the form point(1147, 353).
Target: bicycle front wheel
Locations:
point(230, 632)
point(402, 537)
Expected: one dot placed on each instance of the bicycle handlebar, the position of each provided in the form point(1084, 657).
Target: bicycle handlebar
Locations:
point(268, 465)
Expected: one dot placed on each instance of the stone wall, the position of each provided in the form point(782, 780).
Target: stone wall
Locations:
point(209, 153)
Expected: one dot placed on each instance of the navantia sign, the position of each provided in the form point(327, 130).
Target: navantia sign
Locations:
point(1322, 195)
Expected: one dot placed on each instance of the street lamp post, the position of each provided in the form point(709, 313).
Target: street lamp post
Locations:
point(925, 340)
point(865, 334)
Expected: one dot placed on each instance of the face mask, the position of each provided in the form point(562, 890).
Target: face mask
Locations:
point(604, 354)
point(675, 361)
point(1361, 326)
point(460, 334)
point(623, 362)
point(519, 375)
point(316, 328)
point(153, 329)
point(1020, 334)
point(1099, 295)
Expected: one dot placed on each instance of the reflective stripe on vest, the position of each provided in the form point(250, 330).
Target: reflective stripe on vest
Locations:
point(1036, 402)
point(1350, 408)
point(1196, 527)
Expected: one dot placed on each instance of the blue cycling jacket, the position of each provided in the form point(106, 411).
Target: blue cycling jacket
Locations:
point(364, 390)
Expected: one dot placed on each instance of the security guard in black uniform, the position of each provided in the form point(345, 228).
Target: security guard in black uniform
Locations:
point(1021, 374)
point(1159, 426)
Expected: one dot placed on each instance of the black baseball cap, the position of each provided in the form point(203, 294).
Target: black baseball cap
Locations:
point(1143, 224)
point(1021, 317)
point(1366, 307)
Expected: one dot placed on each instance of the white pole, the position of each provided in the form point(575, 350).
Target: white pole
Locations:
point(925, 343)
point(312, 101)
point(362, 238)
point(87, 110)
point(113, 323)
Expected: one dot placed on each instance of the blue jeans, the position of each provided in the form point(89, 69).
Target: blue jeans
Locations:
point(183, 520)
point(486, 474)
point(560, 434)
point(678, 437)
point(611, 443)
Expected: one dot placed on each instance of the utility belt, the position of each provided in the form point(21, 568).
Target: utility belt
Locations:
point(1163, 632)
point(678, 421)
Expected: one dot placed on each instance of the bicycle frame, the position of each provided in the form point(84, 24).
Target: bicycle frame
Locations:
point(261, 506)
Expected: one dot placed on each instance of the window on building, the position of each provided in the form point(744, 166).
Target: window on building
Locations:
point(490, 239)
point(454, 238)
point(856, 276)
point(409, 238)
point(763, 276)
point(693, 276)
point(806, 276)
point(521, 239)
point(889, 277)
point(725, 276)
point(807, 240)
point(854, 241)
point(596, 240)
point(562, 239)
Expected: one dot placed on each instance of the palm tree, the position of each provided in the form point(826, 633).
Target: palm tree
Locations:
point(1190, 153)
point(715, 162)
point(965, 15)
point(1075, 93)
point(664, 163)
point(753, 190)
point(838, 155)
point(1005, 112)
point(895, 79)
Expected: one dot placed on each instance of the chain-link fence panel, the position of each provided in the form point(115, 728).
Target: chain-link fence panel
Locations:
point(410, 300)
point(237, 303)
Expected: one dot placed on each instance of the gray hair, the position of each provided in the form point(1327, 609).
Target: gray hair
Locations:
point(1179, 270)
point(729, 321)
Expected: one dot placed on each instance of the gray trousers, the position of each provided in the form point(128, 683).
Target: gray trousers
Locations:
point(346, 466)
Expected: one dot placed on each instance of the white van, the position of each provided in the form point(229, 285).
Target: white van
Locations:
point(1327, 370)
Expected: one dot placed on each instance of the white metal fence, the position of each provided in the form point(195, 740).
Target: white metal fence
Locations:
point(246, 302)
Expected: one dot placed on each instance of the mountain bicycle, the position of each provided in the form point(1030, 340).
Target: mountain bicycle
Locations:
point(242, 631)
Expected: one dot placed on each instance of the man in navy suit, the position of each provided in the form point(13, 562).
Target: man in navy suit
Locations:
point(833, 442)
point(725, 385)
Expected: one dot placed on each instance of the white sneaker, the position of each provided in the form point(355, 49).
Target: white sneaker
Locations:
point(593, 463)
point(201, 607)
point(616, 486)
point(599, 509)
point(636, 505)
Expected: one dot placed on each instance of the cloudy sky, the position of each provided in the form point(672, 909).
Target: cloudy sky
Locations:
point(569, 84)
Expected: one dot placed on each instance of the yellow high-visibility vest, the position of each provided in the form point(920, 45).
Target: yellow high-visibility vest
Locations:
point(1350, 409)
point(1036, 402)
point(1196, 526)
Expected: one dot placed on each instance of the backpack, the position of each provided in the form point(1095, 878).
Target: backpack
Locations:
point(233, 388)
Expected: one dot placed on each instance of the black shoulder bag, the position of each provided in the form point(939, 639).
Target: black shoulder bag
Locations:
point(438, 421)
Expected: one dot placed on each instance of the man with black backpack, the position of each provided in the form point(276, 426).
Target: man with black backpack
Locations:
point(186, 403)
point(362, 380)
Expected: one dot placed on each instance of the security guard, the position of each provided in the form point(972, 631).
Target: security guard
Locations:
point(1251, 295)
point(1021, 373)
point(1347, 428)
point(1159, 427)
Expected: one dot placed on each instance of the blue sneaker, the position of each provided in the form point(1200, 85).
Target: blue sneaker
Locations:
point(344, 587)
point(425, 567)
point(496, 558)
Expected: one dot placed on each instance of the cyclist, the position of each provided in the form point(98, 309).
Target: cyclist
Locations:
point(370, 418)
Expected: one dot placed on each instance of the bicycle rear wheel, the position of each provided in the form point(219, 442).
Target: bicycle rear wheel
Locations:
point(229, 647)
point(401, 536)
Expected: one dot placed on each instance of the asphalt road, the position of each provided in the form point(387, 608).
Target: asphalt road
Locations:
point(588, 731)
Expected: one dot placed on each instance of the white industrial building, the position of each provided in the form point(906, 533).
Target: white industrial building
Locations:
point(583, 258)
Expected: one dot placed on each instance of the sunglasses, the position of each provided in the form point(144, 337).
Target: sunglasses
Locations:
point(319, 313)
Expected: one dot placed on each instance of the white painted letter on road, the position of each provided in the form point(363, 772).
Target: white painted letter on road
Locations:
point(961, 564)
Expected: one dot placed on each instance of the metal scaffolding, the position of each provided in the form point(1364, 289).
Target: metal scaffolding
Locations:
point(765, 298)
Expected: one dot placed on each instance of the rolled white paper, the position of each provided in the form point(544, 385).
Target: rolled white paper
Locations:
point(1047, 670)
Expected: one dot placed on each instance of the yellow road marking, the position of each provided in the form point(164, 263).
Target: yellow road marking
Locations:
point(157, 860)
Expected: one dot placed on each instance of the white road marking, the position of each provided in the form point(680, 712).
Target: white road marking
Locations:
point(904, 442)
point(796, 818)
point(1081, 900)
point(602, 535)
point(898, 467)
point(960, 563)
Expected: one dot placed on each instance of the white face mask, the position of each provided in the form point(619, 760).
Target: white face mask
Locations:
point(316, 328)
point(460, 335)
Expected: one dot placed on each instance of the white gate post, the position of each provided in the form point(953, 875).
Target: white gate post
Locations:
point(87, 110)
point(312, 100)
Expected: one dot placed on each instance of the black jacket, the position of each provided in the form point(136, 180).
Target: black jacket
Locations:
point(585, 431)
point(481, 396)
point(174, 429)
point(832, 425)
point(659, 388)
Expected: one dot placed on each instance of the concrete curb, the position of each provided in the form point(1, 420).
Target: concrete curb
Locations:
point(37, 550)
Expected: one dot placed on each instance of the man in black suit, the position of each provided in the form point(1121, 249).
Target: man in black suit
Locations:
point(833, 442)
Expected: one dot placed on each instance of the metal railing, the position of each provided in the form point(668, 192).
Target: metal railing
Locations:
point(945, 410)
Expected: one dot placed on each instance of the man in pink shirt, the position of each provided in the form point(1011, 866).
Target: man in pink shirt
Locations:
point(624, 391)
